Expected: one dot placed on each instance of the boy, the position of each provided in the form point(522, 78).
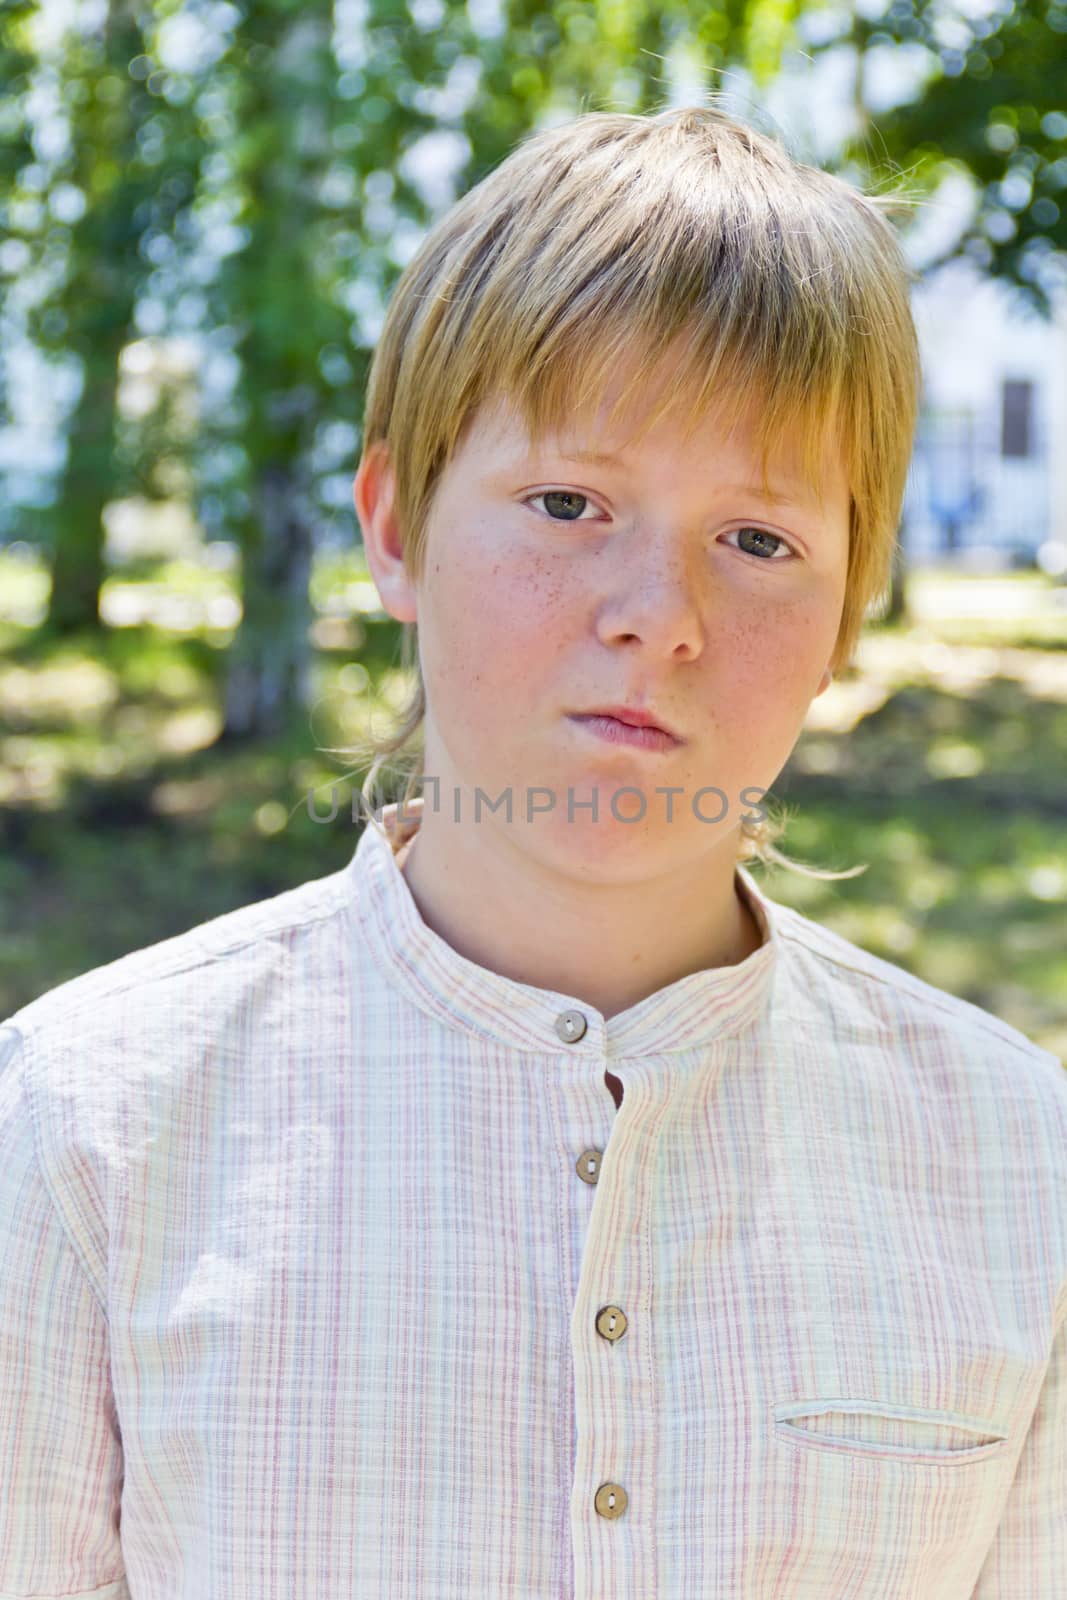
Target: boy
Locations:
point(535, 1207)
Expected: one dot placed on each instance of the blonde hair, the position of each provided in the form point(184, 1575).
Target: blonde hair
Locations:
point(610, 237)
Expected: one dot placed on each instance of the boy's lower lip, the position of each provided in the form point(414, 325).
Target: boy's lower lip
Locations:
point(612, 731)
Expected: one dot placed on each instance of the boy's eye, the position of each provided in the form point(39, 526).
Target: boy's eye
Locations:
point(563, 509)
point(564, 505)
point(781, 551)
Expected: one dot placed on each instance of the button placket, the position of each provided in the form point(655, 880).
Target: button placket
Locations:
point(610, 1499)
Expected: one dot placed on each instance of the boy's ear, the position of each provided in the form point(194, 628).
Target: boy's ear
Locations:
point(372, 492)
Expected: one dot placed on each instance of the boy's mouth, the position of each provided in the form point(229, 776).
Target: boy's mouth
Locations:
point(614, 730)
point(633, 716)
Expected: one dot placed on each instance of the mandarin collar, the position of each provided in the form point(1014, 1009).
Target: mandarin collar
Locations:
point(696, 1010)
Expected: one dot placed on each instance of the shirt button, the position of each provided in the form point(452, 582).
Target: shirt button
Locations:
point(611, 1322)
point(610, 1500)
point(587, 1166)
point(570, 1025)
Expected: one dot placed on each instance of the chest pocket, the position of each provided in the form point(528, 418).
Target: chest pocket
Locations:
point(876, 1499)
point(888, 1433)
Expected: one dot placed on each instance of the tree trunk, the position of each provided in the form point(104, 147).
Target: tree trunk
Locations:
point(78, 557)
point(268, 666)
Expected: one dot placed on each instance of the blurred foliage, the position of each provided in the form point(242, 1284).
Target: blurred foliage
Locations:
point(993, 104)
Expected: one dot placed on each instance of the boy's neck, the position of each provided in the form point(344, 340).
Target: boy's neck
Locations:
point(610, 947)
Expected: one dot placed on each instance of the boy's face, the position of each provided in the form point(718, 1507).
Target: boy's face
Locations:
point(630, 584)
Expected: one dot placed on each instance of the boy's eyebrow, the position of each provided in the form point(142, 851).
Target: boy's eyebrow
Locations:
point(604, 458)
point(594, 458)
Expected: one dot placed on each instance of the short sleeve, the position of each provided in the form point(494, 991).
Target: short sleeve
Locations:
point(1028, 1557)
point(61, 1464)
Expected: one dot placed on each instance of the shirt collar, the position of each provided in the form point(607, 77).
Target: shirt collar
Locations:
point(716, 1003)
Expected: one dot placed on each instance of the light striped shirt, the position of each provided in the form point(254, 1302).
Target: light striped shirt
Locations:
point(329, 1270)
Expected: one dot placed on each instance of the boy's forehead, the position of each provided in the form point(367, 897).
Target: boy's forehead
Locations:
point(503, 437)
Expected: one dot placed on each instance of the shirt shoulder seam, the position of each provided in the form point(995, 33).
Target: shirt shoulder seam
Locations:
point(1002, 1031)
point(180, 964)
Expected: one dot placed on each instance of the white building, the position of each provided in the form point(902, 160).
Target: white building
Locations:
point(988, 483)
